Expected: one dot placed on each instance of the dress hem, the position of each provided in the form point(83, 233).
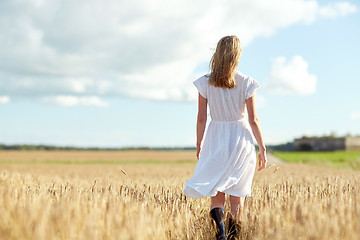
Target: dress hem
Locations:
point(200, 195)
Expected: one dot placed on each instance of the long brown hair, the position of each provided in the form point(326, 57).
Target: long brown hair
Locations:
point(225, 61)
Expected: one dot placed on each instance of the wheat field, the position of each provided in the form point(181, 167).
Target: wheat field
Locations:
point(138, 195)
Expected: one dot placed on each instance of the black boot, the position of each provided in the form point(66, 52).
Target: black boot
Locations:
point(218, 215)
point(234, 229)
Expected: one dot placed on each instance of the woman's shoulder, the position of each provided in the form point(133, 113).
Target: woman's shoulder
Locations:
point(203, 78)
point(245, 79)
point(240, 75)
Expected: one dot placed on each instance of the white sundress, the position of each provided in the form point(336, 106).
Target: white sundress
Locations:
point(228, 158)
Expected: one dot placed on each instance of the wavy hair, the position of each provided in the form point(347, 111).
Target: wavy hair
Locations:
point(224, 62)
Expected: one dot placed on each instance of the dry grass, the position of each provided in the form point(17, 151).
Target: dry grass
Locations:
point(94, 156)
point(74, 201)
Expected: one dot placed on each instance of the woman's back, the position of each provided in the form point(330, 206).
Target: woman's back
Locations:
point(227, 156)
point(227, 104)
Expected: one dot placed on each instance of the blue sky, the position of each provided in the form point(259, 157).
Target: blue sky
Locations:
point(111, 74)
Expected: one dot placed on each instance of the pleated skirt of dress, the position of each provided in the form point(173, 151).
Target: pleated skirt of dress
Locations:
point(227, 161)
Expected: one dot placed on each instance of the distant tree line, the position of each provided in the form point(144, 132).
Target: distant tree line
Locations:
point(331, 135)
point(26, 147)
point(280, 147)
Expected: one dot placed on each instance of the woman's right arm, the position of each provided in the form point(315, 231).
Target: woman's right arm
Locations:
point(201, 123)
point(256, 129)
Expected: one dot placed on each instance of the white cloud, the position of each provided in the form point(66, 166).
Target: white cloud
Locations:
point(68, 101)
point(355, 116)
point(290, 77)
point(338, 9)
point(260, 101)
point(142, 49)
point(4, 99)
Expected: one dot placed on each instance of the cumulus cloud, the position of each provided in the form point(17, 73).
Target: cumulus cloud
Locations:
point(290, 77)
point(338, 9)
point(260, 101)
point(355, 115)
point(136, 49)
point(68, 101)
point(4, 99)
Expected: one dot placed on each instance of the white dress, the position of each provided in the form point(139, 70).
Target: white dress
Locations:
point(228, 159)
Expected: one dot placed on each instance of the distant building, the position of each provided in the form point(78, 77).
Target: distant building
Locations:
point(326, 144)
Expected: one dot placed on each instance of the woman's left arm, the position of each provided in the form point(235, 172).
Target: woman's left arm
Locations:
point(201, 123)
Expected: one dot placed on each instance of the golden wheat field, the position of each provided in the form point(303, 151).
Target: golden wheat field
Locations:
point(138, 195)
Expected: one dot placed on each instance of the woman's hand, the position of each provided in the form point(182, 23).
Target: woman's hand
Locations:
point(262, 160)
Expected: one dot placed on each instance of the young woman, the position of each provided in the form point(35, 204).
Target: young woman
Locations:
point(227, 156)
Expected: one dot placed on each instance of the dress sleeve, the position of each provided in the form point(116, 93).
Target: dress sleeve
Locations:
point(201, 85)
point(251, 87)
